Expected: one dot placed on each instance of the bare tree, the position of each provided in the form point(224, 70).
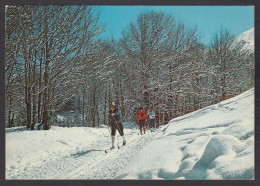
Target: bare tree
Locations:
point(52, 40)
point(231, 61)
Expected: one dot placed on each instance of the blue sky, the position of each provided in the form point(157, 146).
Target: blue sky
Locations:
point(208, 19)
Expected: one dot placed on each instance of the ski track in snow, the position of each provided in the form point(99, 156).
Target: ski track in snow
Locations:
point(107, 167)
point(90, 163)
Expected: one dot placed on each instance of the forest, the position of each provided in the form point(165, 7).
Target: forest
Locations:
point(56, 64)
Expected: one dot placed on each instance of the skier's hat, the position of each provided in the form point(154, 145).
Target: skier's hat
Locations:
point(113, 104)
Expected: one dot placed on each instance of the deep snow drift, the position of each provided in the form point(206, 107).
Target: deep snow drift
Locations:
point(216, 142)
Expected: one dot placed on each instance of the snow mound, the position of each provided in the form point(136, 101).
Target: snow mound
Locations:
point(220, 150)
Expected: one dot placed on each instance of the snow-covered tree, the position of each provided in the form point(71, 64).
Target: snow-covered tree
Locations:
point(52, 39)
point(232, 66)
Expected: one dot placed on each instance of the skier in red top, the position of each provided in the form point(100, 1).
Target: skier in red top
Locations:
point(141, 117)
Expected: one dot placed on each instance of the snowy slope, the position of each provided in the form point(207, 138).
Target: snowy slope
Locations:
point(249, 38)
point(216, 142)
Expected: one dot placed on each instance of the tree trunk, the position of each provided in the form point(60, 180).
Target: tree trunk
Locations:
point(97, 113)
point(10, 111)
point(12, 121)
point(28, 91)
point(122, 99)
point(176, 106)
point(45, 119)
point(105, 105)
point(224, 95)
point(40, 94)
point(34, 94)
point(93, 111)
point(83, 109)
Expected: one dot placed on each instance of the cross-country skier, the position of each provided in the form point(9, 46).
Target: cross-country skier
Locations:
point(141, 117)
point(114, 120)
point(151, 115)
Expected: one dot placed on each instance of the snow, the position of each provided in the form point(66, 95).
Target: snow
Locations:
point(249, 38)
point(216, 142)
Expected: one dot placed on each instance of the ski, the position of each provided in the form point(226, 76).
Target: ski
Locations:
point(108, 150)
point(118, 147)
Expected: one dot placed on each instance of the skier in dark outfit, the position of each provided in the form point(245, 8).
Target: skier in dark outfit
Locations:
point(114, 120)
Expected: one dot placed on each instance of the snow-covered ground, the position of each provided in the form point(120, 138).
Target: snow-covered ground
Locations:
point(249, 38)
point(216, 142)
